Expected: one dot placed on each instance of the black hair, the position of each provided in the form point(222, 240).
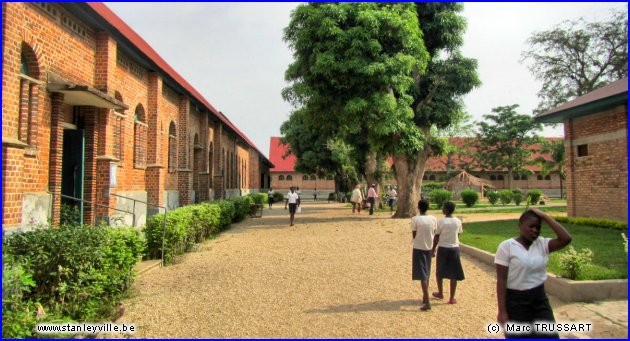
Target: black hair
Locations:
point(423, 205)
point(529, 215)
point(449, 207)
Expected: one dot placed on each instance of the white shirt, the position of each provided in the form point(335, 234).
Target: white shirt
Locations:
point(292, 197)
point(425, 226)
point(448, 229)
point(392, 194)
point(527, 269)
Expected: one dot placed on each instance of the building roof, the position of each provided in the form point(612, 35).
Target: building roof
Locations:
point(435, 163)
point(277, 152)
point(130, 37)
point(598, 100)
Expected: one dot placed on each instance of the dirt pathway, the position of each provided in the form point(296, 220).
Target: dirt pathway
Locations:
point(334, 275)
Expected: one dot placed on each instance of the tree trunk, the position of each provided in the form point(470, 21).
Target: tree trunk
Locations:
point(510, 178)
point(409, 178)
point(371, 165)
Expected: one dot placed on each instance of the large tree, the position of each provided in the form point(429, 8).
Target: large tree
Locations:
point(504, 140)
point(577, 57)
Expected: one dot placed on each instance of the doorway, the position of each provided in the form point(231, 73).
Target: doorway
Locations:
point(72, 168)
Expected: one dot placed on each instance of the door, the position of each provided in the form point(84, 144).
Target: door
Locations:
point(72, 171)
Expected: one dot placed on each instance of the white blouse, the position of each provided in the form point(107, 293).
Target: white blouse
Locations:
point(527, 269)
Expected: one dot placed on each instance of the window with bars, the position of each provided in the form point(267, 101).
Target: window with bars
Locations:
point(140, 138)
point(172, 148)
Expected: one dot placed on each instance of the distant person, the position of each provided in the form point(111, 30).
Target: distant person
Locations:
point(448, 262)
point(292, 201)
point(371, 197)
point(315, 194)
point(423, 229)
point(356, 199)
point(391, 198)
point(521, 265)
point(297, 190)
point(270, 199)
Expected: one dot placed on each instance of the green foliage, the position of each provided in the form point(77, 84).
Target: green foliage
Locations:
point(69, 215)
point(469, 197)
point(259, 198)
point(572, 263)
point(577, 57)
point(493, 197)
point(595, 222)
point(278, 197)
point(625, 242)
point(332, 196)
point(506, 196)
point(430, 186)
point(440, 196)
point(18, 313)
point(517, 196)
point(534, 196)
point(504, 140)
point(79, 271)
point(241, 207)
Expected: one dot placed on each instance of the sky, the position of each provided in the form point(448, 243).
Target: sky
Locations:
point(234, 55)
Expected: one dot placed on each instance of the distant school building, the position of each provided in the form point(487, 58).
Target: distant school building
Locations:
point(93, 118)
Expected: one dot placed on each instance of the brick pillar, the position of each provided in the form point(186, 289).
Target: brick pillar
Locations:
point(56, 154)
point(90, 174)
point(184, 173)
point(217, 181)
point(106, 48)
point(12, 185)
point(154, 143)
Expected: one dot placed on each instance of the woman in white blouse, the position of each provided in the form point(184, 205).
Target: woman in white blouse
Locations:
point(521, 265)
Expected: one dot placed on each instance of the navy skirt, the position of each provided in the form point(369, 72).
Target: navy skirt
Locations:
point(449, 265)
point(420, 265)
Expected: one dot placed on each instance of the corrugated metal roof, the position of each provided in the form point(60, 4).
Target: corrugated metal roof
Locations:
point(277, 150)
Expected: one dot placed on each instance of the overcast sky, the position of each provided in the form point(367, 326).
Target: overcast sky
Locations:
point(233, 53)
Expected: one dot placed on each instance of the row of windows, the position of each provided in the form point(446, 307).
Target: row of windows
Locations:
point(282, 177)
point(493, 177)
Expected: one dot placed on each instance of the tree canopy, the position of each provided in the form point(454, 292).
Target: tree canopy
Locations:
point(577, 57)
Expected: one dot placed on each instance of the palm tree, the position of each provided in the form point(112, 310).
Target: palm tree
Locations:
point(556, 150)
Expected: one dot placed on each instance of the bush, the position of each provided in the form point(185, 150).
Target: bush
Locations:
point(331, 197)
point(348, 196)
point(572, 262)
point(595, 222)
point(534, 196)
point(625, 242)
point(469, 197)
point(18, 314)
point(440, 196)
point(517, 196)
point(493, 197)
point(80, 272)
point(241, 207)
point(260, 198)
point(505, 196)
point(431, 186)
point(278, 197)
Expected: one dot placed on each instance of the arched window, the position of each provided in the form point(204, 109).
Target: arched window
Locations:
point(500, 177)
point(289, 178)
point(424, 177)
point(281, 177)
point(140, 138)
point(547, 177)
point(172, 148)
point(313, 178)
point(119, 130)
point(539, 177)
point(305, 178)
point(431, 177)
point(493, 177)
point(29, 96)
point(211, 162)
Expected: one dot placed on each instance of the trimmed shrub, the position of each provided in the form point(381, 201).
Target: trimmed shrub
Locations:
point(260, 198)
point(534, 196)
point(517, 196)
point(331, 197)
point(440, 196)
point(278, 197)
point(493, 197)
point(469, 197)
point(572, 262)
point(241, 207)
point(595, 222)
point(79, 272)
point(506, 196)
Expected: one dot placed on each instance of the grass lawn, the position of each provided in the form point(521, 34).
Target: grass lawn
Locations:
point(609, 260)
point(513, 209)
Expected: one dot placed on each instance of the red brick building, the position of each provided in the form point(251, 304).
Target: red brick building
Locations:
point(596, 144)
point(283, 175)
point(91, 111)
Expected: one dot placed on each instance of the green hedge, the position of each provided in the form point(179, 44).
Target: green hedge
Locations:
point(594, 222)
point(440, 196)
point(78, 272)
point(469, 197)
point(189, 225)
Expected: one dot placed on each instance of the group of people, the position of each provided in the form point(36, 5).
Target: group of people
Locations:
point(357, 199)
point(520, 264)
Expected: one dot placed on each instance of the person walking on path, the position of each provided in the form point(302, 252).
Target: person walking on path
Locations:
point(270, 194)
point(293, 201)
point(356, 199)
point(521, 265)
point(423, 229)
point(315, 194)
point(448, 263)
point(297, 191)
point(371, 197)
point(391, 198)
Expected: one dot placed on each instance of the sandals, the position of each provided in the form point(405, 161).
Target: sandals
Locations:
point(438, 295)
point(452, 301)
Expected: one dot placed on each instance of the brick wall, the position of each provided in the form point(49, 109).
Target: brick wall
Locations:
point(597, 183)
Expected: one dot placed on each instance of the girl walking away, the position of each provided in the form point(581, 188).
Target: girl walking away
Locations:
point(423, 229)
point(448, 263)
point(270, 197)
point(357, 198)
point(293, 201)
point(371, 197)
point(521, 265)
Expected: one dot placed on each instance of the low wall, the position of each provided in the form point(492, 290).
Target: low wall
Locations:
point(566, 289)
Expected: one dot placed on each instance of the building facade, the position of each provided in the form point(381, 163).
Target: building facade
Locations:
point(596, 142)
point(94, 118)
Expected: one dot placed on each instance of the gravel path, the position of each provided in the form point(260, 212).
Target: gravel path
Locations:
point(333, 275)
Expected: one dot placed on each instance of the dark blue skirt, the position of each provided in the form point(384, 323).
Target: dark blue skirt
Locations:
point(449, 265)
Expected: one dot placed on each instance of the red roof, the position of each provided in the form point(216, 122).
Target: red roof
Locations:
point(150, 53)
point(277, 150)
